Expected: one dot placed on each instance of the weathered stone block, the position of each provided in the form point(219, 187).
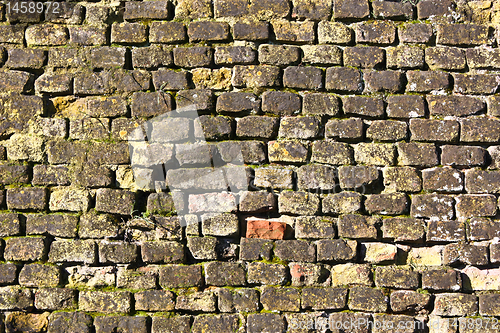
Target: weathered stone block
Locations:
point(115, 201)
point(303, 78)
point(336, 250)
point(154, 300)
point(298, 203)
point(224, 274)
point(387, 204)
point(400, 278)
point(69, 322)
point(169, 79)
point(357, 227)
point(46, 35)
point(334, 33)
point(367, 299)
point(39, 276)
point(294, 32)
point(162, 252)
point(181, 324)
point(107, 302)
point(117, 252)
point(226, 225)
point(343, 79)
point(426, 256)
point(437, 279)
point(479, 129)
point(267, 274)
point(466, 254)
point(313, 10)
point(197, 301)
point(25, 249)
point(458, 106)
point(382, 33)
point(364, 57)
point(409, 301)
point(146, 10)
point(128, 33)
point(383, 81)
point(69, 199)
point(287, 151)
point(392, 10)
point(462, 34)
point(280, 299)
point(402, 179)
point(345, 9)
point(255, 202)
point(253, 31)
point(321, 55)
point(431, 130)
point(432, 206)
point(417, 154)
point(363, 106)
point(55, 299)
point(426, 81)
point(88, 34)
point(208, 31)
point(448, 304)
point(278, 55)
point(73, 251)
point(180, 276)
point(341, 203)
point(119, 323)
point(238, 300)
point(295, 250)
point(358, 177)
point(403, 229)
point(445, 58)
point(475, 205)
point(343, 129)
point(382, 154)
point(482, 181)
point(443, 180)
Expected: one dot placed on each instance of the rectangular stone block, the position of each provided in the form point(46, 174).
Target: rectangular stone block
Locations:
point(107, 302)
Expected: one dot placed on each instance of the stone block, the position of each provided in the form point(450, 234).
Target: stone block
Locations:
point(446, 231)
point(107, 302)
point(336, 250)
point(386, 130)
point(364, 57)
point(278, 55)
point(403, 229)
point(443, 180)
point(39, 276)
point(357, 227)
point(367, 299)
point(280, 299)
point(445, 58)
point(347, 129)
point(74, 251)
point(371, 107)
point(180, 276)
point(196, 301)
point(334, 33)
point(400, 278)
point(25, 249)
point(298, 203)
point(295, 250)
point(128, 33)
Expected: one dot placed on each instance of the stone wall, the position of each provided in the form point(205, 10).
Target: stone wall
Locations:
point(369, 136)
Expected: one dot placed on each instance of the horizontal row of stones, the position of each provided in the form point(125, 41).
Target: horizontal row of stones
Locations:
point(74, 13)
point(375, 33)
point(361, 296)
point(325, 250)
point(66, 322)
point(153, 56)
point(326, 180)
